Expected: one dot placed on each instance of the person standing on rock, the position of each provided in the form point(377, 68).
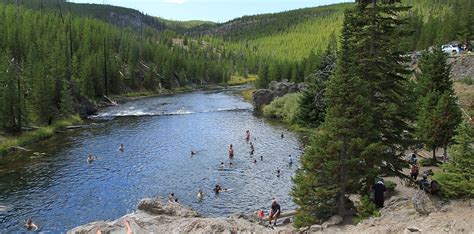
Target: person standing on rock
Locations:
point(274, 212)
point(379, 190)
point(414, 171)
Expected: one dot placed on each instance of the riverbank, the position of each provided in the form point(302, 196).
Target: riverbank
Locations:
point(12, 143)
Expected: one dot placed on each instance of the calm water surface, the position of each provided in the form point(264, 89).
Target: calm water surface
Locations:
point(60, 190)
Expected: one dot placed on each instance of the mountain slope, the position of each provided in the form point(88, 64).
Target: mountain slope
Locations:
point(119, 16)
point(293, 34)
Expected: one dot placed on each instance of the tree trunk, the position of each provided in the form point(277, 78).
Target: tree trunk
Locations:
point(434, 154)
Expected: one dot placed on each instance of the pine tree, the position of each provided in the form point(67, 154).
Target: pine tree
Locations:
point(457, 177)
point(324, 180)
point(439, 114)
point(312, 105)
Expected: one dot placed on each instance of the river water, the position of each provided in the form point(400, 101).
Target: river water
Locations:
point(60, 190)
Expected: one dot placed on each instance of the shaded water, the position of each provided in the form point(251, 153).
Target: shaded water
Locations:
point(60, 190)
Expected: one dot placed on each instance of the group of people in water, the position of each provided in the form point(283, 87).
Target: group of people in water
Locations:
point(274, 212)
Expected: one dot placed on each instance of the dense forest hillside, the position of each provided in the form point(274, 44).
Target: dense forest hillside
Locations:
point(119, 16)
point(50, 63)
point(293, 34)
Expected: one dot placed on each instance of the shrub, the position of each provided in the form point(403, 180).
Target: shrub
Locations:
point(390, 186)
point(365, 209)
point(429, 162)
point(284, 108)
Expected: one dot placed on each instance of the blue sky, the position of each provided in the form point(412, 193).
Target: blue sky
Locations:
point(213, 10)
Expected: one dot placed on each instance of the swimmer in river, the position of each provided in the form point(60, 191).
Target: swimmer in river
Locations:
point(231, 151)
point(172, 199)
point(121, 149)
point(91, 158)
point(290, 160)
point(231, 164)
point(217, 189)
point(278, 173)
point(193, 152)
point(252, 148)
point(222, 165)
point(261, 157)
point(200, 194)
point(30, 225)
point(255, 161)
point(247, 135)
point(282, 135)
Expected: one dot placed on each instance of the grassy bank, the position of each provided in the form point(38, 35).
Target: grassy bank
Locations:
point(247, 94)
point(37, 135)
point(240, 80)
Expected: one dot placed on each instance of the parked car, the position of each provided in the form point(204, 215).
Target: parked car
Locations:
point(451, 49)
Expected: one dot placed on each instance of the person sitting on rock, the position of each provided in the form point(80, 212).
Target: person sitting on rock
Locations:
point(424, 184)
point(275, 212)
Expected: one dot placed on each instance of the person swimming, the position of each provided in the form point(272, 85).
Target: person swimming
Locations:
point(278, 173)
point(255, 161)
point(193, 152)
point(261, 157)
point(290, 160)
point(282, 135)
point(217, 188)
point(222, 165)
point(252, 148)
point(91, 158)
point(231, 151)
point(30, 225)
point(231, 164)
point(172, 198)
point(121, 148)
point(200, 194)
point(247, 135)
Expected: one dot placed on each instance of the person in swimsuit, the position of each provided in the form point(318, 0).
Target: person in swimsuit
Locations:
point(231, 151)
point(91, 158)
point(278, 173)
point(30, 226)
point(252, 148)
point(290, 160)
point(247, 135)
point(121, 149)
point(200, 194)
point(217, 189)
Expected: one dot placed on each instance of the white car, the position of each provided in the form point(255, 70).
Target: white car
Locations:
point(451, 49)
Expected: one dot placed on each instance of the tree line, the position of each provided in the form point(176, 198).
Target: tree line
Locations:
point(49, 60)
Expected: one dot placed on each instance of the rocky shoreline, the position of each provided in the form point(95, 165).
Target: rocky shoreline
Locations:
point(421, 213)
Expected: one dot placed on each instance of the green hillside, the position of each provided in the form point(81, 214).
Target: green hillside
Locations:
point(293, 34)
point(119, 16)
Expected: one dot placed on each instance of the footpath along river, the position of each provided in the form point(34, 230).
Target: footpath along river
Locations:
point(60, 190)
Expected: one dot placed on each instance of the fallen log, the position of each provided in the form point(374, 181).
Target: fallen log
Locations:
point(283, 215)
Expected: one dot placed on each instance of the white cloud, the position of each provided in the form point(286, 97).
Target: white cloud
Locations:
point(176, 1)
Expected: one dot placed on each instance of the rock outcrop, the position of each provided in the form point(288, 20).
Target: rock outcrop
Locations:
point(154, 216)
point(275, 89)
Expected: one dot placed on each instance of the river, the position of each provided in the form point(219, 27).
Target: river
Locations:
point(60, 190)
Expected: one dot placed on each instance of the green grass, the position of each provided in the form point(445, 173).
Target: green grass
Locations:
point(240, 80)
point(37, 135)
point(247, 94)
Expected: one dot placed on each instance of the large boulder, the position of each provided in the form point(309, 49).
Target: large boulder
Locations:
point(154, 206)
point(275, 89)
point(262, 97)
point(423, 203)
point(334, 220)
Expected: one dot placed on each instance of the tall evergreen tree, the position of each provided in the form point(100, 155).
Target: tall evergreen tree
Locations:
point(363, 135)
point(439, 113)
